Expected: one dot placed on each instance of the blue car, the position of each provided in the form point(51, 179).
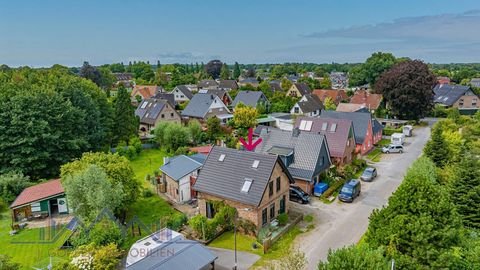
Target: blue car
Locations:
point(350, 191)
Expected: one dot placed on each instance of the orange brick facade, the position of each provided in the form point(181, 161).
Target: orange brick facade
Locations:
point(251, 212)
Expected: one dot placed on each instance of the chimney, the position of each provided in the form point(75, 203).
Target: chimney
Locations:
point(296, 132)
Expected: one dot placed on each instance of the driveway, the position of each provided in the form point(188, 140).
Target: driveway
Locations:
point(340, 224)
point(226, 259)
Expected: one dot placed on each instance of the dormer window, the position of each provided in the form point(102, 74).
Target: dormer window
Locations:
point(246, 185)
point(333, 127)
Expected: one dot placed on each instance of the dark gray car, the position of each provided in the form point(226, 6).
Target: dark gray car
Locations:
point(369, 174)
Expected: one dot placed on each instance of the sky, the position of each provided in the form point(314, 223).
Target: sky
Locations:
point(43, 33)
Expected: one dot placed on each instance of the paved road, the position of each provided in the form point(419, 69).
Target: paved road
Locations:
point(340, 224)
point(226, 259)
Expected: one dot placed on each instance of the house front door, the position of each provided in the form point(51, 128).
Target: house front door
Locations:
point(282, 205)
point(62, 205)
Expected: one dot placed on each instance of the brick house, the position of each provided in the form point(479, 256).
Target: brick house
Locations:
point(306, 155)
point(362, 126)
point(257, 185)
point(152, 111)
point(338, 132)
point(179, 174)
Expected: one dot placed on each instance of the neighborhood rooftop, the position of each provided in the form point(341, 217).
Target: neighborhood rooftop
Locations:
point(249, 98)
point(360, 120)
point(179, 166)
point(307, 149)
point(226, 171)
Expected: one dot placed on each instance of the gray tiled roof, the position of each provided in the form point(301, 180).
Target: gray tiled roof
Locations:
point(180, 166)
point(166, 96)
point(149, 110)
point(185, 90)
point(181, 254)
point(447, 94)
point(249, 98)
point(376, 126)
point(312, 104)
point(207, 83)
point(218, 92)
point(228, 84)
point(199, 105)
point(225, 178)
point(360, 122)
point(303, 88)
point(249, 80)
point(308, 152)
point(475, 82)
point(337, 138)
point(275, 86)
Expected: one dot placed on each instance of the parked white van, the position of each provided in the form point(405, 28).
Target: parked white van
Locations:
point(397, 138)
point(407, 130)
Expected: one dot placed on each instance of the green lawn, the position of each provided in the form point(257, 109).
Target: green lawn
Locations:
point(279, 248)
point(31, 247)
point(148, 161)
point(375, 155)
point(384, 142)
point(244, 242)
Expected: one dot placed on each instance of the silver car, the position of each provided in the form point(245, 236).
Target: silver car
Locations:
point(369, 174)
point(392, 148)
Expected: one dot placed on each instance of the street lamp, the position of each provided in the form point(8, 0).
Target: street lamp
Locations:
point(235, 233)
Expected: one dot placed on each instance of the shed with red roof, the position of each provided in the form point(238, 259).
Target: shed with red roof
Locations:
point(41, 200)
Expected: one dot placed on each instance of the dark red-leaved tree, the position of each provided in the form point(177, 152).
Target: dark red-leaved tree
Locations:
point(213, 68)
point(407, 88)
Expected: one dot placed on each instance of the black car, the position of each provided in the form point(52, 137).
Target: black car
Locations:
point(298, 195)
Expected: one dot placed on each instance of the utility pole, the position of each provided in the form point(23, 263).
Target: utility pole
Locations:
point(235, 239)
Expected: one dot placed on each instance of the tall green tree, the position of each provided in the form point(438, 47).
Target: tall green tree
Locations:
point(195, 129)
point(329, 104)
point(118, 171)
point(11, 185)
point(465, 188)
point(125, 122)
point(420, 222)
point(437, 148)
point(236, 71)
point(89, 191)
point(355, 257)
point(214, 128)
point(408, 89)
point(49, 117)
point(376, 64)
point(225, 72)
point(91, 73)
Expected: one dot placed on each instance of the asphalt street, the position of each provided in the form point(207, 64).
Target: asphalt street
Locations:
point(341, 224)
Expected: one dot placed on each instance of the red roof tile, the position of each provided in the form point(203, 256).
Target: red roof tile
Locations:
point(38, 192)
point(349, 107)
point(145, 91)
point(371, 101)
point(336, 95)
point(202, 149)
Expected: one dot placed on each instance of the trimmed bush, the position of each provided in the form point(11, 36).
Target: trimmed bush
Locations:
point(282, 219)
